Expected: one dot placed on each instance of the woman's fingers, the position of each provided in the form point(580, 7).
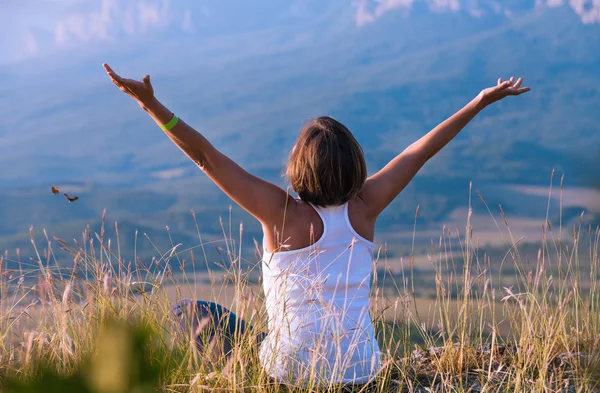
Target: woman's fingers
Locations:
point(110, 71)
point(518, 84)
point(117, 80)
point(506, 88)
point(147, 83)
point(123, 84)
point(113, 78)
point(516, 92)
point(510, 84)
point(504, 85)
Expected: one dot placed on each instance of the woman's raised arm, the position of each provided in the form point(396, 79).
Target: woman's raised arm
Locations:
point(264, 200)
point(381, 188)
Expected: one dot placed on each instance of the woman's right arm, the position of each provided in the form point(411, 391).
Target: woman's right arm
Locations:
point(264, 200)
point(384, 186)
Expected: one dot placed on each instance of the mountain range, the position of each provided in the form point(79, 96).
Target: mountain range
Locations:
point(248, 75)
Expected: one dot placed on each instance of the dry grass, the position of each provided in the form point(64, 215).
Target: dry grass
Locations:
point(488, 336)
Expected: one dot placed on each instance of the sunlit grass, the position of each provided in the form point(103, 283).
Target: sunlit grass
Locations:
point(535, 329)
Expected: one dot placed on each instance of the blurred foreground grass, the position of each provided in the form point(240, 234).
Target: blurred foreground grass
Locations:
point(124, 361)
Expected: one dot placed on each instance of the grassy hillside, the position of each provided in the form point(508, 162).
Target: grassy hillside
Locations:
point(528, 323)
point(162, 217)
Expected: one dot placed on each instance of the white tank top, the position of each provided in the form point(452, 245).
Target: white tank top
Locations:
point(317, 300)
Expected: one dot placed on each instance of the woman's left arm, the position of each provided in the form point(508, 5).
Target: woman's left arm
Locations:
point(380, 189)
point(264, 200)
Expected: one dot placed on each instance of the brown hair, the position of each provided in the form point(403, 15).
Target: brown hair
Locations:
point(327, 165)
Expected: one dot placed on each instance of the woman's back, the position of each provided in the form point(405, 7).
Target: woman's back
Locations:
point(318, 304)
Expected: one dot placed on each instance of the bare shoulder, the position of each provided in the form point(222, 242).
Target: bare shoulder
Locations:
point(303, 218)
point(300, 227)
point(361, 219)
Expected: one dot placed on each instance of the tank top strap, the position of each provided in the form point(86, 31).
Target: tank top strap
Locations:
point(330, 215)
point(335, 222)
point(351, 228)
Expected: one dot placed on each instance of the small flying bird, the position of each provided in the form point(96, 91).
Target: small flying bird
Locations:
point(54, 190)
point(73, 199)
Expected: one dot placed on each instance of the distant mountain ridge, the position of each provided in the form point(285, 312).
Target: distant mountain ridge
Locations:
point(248, 83)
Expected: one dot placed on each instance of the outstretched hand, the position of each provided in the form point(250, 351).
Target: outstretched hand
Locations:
point(503, 90)
point(142, 92)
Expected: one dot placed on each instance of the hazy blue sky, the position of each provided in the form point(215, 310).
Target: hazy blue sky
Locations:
point(32, 28)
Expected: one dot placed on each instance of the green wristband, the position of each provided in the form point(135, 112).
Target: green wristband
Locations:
point(170, 124)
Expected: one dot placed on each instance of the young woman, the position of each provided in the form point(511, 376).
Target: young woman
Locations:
point(318, 249)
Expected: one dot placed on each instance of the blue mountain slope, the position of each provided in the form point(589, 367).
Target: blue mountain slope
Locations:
point(390, 80)
point(248, 74)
